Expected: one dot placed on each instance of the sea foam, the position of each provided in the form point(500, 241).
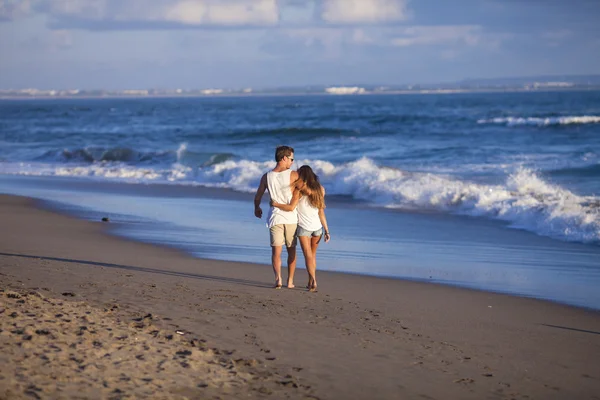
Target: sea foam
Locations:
point(523, 200)
point(547, 121)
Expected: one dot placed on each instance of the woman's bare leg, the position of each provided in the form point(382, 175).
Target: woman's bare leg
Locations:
point(314, 244)
point(305, 242)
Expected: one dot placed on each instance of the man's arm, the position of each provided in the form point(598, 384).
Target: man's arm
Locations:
point(258, 197)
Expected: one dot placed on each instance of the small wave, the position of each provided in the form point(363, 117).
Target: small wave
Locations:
point(101, 154)
point(524, 200)
point(181, 151)
point(120, 156)
point(588, 171)
point(201, 159)
point(299, 132)
point(218, 159)
point(537, 121)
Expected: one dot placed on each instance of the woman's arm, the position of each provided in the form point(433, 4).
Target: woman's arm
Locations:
point(324, 221)
point(292, 205)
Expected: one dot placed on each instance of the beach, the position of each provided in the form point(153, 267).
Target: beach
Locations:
point(438, 168)
point(218, 330)
point(409, 196)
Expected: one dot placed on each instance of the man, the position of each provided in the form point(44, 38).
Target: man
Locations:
point(282, 224)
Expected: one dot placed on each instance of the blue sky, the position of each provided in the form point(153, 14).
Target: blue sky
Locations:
point(121, 44)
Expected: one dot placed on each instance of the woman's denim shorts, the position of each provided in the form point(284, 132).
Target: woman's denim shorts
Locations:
point(303, 232)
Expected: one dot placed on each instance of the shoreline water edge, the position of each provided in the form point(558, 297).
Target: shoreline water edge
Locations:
point(437, 248)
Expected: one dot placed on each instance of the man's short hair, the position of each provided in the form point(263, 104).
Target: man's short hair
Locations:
point(283, 151)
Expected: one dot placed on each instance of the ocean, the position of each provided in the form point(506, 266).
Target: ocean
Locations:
point(491, 191)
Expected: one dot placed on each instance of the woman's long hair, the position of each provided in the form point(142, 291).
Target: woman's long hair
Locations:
point(312, 187)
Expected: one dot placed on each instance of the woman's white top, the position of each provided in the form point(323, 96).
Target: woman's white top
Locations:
point(308, 215)
point(280, 191)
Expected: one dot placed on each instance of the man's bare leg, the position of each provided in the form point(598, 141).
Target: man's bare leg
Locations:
point(276, 262)
point(291, 261)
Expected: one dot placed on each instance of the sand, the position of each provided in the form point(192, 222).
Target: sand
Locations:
point(86, 314)
point(52, 349)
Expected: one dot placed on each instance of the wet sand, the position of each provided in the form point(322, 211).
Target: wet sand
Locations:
point(138, 321)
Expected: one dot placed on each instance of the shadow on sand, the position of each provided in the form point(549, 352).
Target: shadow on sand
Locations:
point(149, 270)
point(571, 329)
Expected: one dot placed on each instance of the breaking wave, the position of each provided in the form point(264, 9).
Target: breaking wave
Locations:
point(589, 171)
point(101, 154)
point(524, 200)
point(126, 155)
point(538, 121)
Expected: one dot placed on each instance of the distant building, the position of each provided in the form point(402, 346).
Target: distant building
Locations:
point(135, 92)
point(211, 91)
point(345, 90)
point(552, 84)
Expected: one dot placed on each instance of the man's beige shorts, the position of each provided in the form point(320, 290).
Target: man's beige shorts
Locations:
point(283, 233)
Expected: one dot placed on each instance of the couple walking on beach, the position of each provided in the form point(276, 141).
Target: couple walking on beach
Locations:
point(297, 212)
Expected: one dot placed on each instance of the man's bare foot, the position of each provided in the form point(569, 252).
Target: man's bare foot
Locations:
point(291, 285)
point(313, 289)
point(277, 284)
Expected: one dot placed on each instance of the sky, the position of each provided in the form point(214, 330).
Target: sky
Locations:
point(200, 44)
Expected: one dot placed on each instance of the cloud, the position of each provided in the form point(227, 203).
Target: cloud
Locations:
point(54, 41)
point(307, 42)
point(121, 14)
point(13, 9)
point(435, 35)
point(556, 37)
point(331, 42)
point(60, 40)
point(231, 13)
point(294, 3)
point(448, 41)
point(363, 11)
point(166, 14)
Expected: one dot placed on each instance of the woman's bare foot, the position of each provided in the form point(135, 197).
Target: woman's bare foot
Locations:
point(291, 285)
point(313, 288)
point(277, 284)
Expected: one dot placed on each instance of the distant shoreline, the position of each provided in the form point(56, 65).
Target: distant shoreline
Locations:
point(298, 94)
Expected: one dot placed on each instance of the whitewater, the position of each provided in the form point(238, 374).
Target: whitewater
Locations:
point(543, 121)
point(524, 200)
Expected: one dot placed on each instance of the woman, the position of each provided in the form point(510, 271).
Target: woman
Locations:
point(309, 196)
